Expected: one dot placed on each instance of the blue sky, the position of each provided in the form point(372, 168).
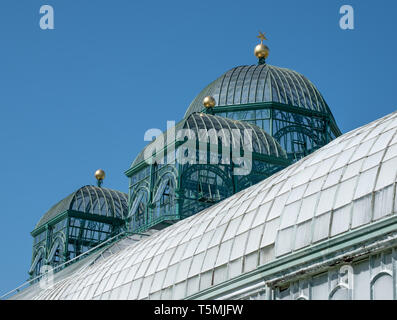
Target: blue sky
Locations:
point(81, 96)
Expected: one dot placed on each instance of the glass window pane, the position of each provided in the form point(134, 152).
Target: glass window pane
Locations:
point(284, 241)
point(278, 206)
point(340, 220)
point(239, 246)
point(290, 214)
point(383, 206)
point(387, 174)
point(197, 263)
point(321, 227)
point(303, 235)
point(210, 258)
point(366, 183)
point(362, 211)
point(270, 232)
point(326, 200)
point(306, 211)
point(253, 239)
point(345, 192)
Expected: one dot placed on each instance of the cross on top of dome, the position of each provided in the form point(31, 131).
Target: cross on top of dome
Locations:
point(262, 36)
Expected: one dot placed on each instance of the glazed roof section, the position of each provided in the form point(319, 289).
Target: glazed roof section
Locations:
point(262, 142)
point(261, 83)
point(347, 184)
point(92, 200)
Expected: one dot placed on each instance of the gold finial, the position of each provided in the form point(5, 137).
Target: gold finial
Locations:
point(261, 51)
point(209, 102)
point(99, 175)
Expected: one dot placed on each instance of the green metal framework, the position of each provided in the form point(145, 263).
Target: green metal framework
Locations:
point(299, 131)
point(76, 224)
point(282, 105)
point(285, 113)
point(281, 101)
point(162, 193)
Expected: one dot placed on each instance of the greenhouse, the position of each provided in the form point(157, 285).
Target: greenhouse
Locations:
point(323, 228)
point(312, 218)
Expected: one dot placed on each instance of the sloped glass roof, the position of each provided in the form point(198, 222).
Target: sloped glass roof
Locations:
point(262, 142)
point(347, 184)
point(93, 200)
point(261, 83)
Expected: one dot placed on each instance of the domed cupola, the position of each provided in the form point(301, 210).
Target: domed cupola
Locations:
point(262, 83)
point(77, 223)
point(163, 191)
point(286, 114)
point(281, 101)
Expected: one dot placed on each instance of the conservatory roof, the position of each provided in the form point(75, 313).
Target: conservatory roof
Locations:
point(262, 83)
point(262, 142)
point(90, 199)
point(347, 184)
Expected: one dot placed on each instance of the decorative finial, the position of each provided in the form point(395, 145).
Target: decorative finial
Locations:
point(261, 36)
point(261, 51)
point(209, 102)
point(99, 175)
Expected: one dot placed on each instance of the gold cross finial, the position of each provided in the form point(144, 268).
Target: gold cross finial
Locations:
point(261, 36)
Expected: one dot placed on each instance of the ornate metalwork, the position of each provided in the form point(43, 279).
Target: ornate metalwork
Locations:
point(178, 190)
point(76, 224)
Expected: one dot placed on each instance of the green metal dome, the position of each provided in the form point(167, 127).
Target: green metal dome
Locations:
point(92, 200)
point(262, 83)
point(76, 224)
point(262, 142)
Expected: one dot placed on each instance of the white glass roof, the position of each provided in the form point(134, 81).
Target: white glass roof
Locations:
point(347, 184)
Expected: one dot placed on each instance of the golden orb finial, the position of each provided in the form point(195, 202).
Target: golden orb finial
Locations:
point(261, 51)
point(100, 175)
point(209, 102)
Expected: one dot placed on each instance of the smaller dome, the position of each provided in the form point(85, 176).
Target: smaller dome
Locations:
point(262, 142)
point(91, 200)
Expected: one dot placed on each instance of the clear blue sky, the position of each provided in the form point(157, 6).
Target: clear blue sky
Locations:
point(80, 97)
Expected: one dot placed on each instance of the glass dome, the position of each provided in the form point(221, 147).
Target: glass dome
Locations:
point(92, 200)
point(261, 83)
point(262, 142)
point(163, 190)
point(76, 224)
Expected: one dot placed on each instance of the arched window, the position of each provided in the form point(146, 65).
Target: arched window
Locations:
point(55, 256)
point(341, 292)
point(38, 262)
point(295, 134)
point(138, 211)
point(164, 196)
point(204, 185)
point(382, 286)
